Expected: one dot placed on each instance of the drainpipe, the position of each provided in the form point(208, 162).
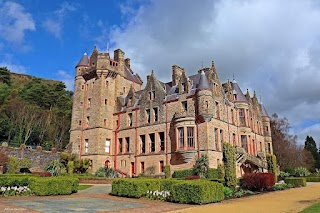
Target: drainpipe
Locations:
point(166, 149)
point(116, 142)
point(82, 118)
point(137, 144)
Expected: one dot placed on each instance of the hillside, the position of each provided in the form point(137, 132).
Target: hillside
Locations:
point(34, 111)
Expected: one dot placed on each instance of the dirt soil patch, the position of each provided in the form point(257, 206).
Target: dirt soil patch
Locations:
point(288, 201)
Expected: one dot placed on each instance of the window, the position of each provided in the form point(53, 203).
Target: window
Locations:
point(155, 114)
point(152, 95)
point(143, 143)
point(217, 110)
point(79, 123)
point(86, 146)
point(82, 86)
point(130, 119)
point(234, 139)
point(148, 116)
point(107, 84)
point(161, 166)
point(269, 148)
point(184, 87)
point(216, 139)
point(105, 102)
point(161, 139)
point(130, 101)
point(142, 167)
point(88, 121)
point(242, 117)
point(261, 147)
point(124, 90)
point(221, 137)
point(190, 137)
point(107, 146)
point(235, 97)
point(152, 143)
point(184, 105)
point(127, 144)
point(105, 122)
point(244, 141)
point(120, 145)
point(181, 137)
point(89, 102)
point(232, 116)
point(267, 129)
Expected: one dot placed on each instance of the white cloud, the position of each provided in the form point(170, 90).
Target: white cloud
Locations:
point(16, 68)
point(14, 22)
point(271, 46)
point(67, 79)
point(55, 23)
point(313, 130)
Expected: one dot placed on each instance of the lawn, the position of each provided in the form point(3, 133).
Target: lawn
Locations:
point(315, 208)
point(82, 187)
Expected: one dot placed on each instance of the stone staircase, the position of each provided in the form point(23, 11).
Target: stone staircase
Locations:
point(121, 173)
point(243, 156)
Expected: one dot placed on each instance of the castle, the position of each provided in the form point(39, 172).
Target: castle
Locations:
point(117, 124)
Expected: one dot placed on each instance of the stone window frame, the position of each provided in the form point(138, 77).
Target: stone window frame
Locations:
point(120, 151)
point(242, 117)
point(244, 141)
point(190, 137)
point(127, 144)
point(148, 116)
point(86, 145)
point(184, 106)
point(216, 139)
point(161, 166)
point(141, 144)
point(182, 130)
point(234, 139)
point(142, 166)
point(152, 144)
point(162, 148)
point(217, 109)
point(89, 103)
point(130, 120)
point(155, 113)
point(107, 145)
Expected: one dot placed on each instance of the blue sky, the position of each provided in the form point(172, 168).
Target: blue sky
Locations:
point(270, 46)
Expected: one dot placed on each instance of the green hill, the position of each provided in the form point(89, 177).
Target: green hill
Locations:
point(34, 111)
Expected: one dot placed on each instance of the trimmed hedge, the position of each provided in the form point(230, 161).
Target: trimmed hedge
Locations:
point(313, 179)
point(136, 187)
point(197, 192)
point(213, 173)
point(42, 185)
point(258, 181)
point(53, 185)
point(229, 159)
point(296, 181)
point(182, 173)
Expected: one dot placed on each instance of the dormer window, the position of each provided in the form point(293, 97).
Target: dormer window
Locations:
point(155, 114)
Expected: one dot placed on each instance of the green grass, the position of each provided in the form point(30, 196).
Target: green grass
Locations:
point(83, 187)
point(315, 208)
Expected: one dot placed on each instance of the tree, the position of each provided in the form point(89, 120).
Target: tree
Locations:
point(289, 154)
point(311, 146)
point(5, 76)
point(201, 166)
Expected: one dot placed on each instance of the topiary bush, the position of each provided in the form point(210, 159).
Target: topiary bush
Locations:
point(182, 173)
point(201, 166)
point(197, 192)
point(220, 171)
point(167, 171)
point(136, 187)
point(258, 181)
point(296, 181)
point(272, 164)
point(106, 172)
point(212, 173)
point(229, 159)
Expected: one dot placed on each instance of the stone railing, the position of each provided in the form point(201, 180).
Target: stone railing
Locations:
point(243, 156)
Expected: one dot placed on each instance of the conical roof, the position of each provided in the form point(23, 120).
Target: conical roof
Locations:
point(203, 82)
point(263, 111)
point(236, 90)
point(84, 61)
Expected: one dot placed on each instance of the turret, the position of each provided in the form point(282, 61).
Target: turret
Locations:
point(204, 97)
point(83, 65)
point(176, 74)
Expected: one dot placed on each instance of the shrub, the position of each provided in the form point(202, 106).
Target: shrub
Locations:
point(218, 180)
point(42, 174)
point(272, 164)
point(258, 181)
point(13, 180)
point(301, 172)
point(198, 192)
point(166, 184)
point(212, 173)
point(282, 175)
point(53, 185)
point(158, 195)
point(229, 159)
point(242, 193)
point(54, 167)
point(13, 165)
point(313, 179)
point(220, 171)
point(296, 181)
point(192, 177)
point(25, 163)
point(201, 166)
point(281, 186)
point(182, 173)
point(70, 167)
point(167, 171)
point(136, 187)
point(317, 172)
point(228, 192)
point(106, 172)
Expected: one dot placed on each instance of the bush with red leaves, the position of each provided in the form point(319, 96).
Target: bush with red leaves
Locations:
point(42, 174)
point(258, 181)
point(192, 177)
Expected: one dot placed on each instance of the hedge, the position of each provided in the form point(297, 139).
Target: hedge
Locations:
point(296, 181)
point(229, 159)
point(182, 173)
point(272, 165)
point(258, 181)
point(42, 185)
point(53, 185)
point(313, 179)
point(136, 188)
point(197, 192)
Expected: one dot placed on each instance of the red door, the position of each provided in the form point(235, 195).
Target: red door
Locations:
point(132, 168)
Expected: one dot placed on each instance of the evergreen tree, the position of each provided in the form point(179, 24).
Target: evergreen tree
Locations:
point(311, 146)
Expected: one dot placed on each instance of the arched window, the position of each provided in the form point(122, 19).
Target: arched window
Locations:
point(107, 163)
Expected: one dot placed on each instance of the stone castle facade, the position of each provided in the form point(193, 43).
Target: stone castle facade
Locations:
point(117, 123)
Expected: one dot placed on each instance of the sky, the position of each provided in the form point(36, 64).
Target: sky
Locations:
point(268, 46)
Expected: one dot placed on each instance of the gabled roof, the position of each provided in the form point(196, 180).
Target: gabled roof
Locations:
point(130, 76)
point(84, 61)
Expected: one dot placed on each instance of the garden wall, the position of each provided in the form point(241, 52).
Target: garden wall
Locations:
point(39, 158)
